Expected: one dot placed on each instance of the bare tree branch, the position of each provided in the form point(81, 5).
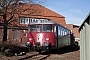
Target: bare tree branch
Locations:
point(8, 8)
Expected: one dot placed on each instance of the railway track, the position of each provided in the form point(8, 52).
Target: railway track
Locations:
point(33, 56)
point(39, 57)
point(28, 55)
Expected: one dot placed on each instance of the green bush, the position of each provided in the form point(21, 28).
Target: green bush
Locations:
point(9, 49)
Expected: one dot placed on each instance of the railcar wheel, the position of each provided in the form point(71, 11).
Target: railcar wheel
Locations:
point(39, 51)
point(30, 49)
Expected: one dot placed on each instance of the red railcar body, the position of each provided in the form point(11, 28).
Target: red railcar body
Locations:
point(48, 35)
point(41, 37)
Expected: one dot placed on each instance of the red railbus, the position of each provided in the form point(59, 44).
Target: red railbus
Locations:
point(47, 35)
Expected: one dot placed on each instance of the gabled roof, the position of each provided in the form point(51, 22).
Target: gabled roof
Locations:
point(38, 11)
point(34, 9)
point(86, 19)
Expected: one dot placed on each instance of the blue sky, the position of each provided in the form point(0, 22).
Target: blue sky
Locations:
point(74, 11)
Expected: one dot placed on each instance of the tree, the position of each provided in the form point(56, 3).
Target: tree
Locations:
point(7, 11)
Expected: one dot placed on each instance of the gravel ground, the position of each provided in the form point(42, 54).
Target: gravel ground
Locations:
point(62, 54)
point(75, 55)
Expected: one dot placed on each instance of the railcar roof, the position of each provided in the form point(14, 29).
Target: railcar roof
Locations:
point(63, 27)
point(48, 22)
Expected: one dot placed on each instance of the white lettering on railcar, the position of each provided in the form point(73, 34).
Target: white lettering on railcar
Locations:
point(40, 37)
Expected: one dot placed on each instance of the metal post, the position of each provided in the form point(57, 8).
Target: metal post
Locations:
point(81, 44)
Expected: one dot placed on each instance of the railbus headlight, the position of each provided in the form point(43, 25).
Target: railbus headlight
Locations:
point(30, 38)
point(27, 44)
point(47, 38)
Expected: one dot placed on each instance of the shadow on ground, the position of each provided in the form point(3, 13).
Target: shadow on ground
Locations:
point(54, 51)
point(61, 50)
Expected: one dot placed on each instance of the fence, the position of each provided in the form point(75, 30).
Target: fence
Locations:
point(85, 39)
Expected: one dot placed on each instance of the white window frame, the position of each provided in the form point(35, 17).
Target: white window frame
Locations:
point(24, 20)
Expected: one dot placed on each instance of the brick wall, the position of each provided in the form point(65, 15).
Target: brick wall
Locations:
point(11, 36)
point(74, 30)
point(77, 34)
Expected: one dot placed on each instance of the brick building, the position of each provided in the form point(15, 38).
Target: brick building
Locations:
point(74, 29)
point(28, 12)
point(18, 29)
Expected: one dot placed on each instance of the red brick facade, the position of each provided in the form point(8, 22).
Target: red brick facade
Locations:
point(74, 29)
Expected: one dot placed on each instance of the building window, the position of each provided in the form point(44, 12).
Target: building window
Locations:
point(24, 20)
point(21, 20)
point(16, 34)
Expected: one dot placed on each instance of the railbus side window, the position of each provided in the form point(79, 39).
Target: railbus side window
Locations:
point(68, 32)
point(62, 32)
point(65, 32)
point(58, 31)
point(55, 29)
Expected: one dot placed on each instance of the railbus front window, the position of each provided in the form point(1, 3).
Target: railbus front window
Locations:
point(47, 28)
point(39, 28)
point(32, 28)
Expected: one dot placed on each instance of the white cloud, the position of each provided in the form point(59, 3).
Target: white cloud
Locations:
point(62, 4)
point(76, 11)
